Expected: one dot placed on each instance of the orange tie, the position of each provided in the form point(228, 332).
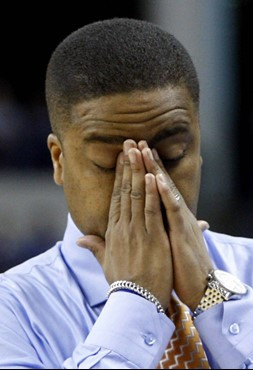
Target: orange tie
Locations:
point(185, 350)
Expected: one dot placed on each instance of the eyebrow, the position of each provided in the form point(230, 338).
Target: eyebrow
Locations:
point(119, 140)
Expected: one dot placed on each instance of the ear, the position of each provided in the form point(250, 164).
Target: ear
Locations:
point(55, 148)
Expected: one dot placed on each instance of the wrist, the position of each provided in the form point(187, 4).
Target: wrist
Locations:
point(222, 286)
point(136, 289)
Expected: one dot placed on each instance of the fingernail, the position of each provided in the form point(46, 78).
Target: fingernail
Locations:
point(155, 154)
point(161, 178)
point(128, 145)
point(143, 144)
point(132, 156)
point(148, 179)
point(80, 242)
point(150, 155)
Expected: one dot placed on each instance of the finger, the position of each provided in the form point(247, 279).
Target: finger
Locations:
point(126, 186)
point(153, 214)
point(168, 187)
point(114, 213)
point(204, 225)
point(95, 245)
point(142, 145)
point(138, 185)
point(172, 200)
point(158, 160)
point(155, 165)
point(151, 164)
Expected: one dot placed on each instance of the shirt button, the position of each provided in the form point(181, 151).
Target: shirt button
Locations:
point(250, 362)
point(150, 340)
point(234, 329)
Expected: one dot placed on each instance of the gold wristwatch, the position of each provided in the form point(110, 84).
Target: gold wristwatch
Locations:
point(222, 286)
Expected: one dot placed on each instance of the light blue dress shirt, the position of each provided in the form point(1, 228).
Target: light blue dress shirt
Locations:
point(54, 313)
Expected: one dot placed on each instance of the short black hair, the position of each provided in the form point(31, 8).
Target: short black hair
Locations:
point(113, 56)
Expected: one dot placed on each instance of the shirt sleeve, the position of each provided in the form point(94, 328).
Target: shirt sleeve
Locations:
point(16, 351)
point(129, 334)
point(227, 332)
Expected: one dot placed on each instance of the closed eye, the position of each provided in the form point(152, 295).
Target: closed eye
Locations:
point(173, 161)
point(166, 162)
point(105, 169)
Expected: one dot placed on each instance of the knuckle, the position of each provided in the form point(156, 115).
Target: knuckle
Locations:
point(137, 195)
point(114, 216)
point(150, 211)
point(175, 206)
point(116, 193)
point(126, 187)
point(156, 169)
point(135, 170)
point(126, 162)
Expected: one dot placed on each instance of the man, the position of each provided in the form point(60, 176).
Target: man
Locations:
point(123, 99)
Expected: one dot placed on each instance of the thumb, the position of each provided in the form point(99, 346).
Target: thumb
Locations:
point(204, 225)
point(94, 244)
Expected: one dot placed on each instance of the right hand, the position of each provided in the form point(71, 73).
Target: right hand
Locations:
point(136, 246)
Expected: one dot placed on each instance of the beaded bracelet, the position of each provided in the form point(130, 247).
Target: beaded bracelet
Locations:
point(132, 287)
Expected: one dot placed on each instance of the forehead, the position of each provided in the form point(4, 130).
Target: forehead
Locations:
point(136, 113)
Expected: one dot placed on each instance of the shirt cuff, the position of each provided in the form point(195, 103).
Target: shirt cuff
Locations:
point(227, 331)
point(131, 326)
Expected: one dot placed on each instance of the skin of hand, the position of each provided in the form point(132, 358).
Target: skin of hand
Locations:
point(191, 262)
point(136, 246)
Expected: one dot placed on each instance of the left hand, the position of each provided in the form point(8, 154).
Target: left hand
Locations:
point(191, 262)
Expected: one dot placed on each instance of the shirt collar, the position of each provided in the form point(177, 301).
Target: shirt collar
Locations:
point(84, 266)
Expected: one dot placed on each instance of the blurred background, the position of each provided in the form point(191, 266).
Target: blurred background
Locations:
point(219, 36)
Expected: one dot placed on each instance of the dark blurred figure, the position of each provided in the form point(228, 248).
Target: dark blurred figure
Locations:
point(23, 132)
point(11, 122)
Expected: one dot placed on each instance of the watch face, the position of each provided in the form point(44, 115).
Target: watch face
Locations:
point(230, 282)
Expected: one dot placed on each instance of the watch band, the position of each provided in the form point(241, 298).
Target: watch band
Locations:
point(211, 298)
point(220, 288)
